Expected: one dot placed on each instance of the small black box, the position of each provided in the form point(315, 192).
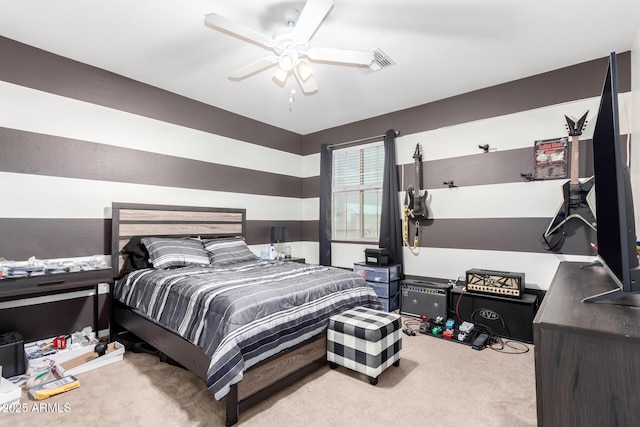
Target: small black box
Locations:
point(376, 256)
point(11, 354)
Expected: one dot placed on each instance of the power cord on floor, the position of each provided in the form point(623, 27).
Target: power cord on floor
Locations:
point(520, 348)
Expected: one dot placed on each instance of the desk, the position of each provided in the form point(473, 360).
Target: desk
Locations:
point(44, 306)
point(587, 355)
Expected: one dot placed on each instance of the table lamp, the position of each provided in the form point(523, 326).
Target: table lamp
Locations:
point(277, 236)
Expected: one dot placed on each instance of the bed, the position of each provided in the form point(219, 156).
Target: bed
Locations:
point(248, 327)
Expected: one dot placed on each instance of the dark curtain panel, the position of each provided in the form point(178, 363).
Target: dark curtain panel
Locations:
point(325, 205)
point(390, 220)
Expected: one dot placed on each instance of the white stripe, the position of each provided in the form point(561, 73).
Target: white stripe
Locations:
point(538, 199)
point(36, 111)
point(36, 196)
point(508, 132)
point(444, 263)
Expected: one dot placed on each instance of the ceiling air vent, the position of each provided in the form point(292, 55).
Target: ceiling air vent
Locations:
point(380, 61)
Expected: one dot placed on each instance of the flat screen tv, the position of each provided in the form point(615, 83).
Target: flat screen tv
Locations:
point(616, 231)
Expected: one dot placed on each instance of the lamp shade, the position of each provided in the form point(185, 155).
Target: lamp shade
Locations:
point(277, 234)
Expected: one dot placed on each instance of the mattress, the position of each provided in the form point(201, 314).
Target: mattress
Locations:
point(246, 312)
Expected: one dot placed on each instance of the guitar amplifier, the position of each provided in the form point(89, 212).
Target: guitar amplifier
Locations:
point(502, 283)
point(507, 317)
point(424, 298)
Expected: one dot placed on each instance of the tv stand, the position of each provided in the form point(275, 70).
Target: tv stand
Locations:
point(586, 355)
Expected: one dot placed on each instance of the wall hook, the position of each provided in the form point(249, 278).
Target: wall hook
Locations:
point(528, 176)
point(449, 183)
point(484, 147)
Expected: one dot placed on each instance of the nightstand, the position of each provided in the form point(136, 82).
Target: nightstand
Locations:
point(44, 306)
point(294, 259)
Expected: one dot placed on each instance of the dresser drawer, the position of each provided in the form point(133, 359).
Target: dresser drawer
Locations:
point(372, 273)
point(386, 290)
point(390, 304)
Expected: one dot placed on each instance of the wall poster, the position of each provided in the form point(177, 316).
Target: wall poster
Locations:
point(551, 158)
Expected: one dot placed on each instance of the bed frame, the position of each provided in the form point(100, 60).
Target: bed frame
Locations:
point(259, 382)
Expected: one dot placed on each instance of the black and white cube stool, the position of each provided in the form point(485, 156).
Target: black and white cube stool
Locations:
point(364, 340)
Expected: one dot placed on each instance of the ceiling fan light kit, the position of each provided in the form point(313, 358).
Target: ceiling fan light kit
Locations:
point(291, 46)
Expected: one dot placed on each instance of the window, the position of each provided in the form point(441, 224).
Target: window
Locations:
point(357, 192)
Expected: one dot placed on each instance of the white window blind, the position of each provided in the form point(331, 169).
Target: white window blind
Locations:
point(357, 192)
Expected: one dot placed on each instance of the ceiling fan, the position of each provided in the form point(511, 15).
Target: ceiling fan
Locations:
point(291, 45)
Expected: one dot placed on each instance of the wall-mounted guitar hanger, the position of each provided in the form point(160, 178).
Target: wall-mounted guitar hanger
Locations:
point(449, 183)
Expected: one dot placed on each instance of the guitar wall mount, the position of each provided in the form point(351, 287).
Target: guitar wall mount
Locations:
point(529, 176)
point(449, 183)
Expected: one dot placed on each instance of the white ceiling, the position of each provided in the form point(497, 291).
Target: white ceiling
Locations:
point(441, 48)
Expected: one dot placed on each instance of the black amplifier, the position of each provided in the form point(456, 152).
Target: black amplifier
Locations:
point(502, 283)
point(508, 317)
point(421, 298)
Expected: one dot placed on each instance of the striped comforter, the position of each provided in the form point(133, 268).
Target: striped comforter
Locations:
point(244, 313)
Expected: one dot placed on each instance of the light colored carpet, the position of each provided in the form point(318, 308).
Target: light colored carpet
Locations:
point(438, 383)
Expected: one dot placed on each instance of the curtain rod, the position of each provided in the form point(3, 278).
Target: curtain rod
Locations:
point(359, 141)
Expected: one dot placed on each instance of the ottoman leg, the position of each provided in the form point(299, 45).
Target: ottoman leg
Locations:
point(373, 381)
point(333, 365)
point(396, 363)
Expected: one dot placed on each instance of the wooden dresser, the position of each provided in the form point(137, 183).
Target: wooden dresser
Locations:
point(587, 355)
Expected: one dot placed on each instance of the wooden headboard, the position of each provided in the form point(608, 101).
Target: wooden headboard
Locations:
point(129, 220)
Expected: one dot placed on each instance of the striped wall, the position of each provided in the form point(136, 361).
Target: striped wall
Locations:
point(74, 139)
point(493, 218)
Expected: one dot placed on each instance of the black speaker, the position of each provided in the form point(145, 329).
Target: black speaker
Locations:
point(507, 317)
point(420, 298)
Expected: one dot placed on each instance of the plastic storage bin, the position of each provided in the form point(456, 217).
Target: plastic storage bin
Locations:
point(372, 273)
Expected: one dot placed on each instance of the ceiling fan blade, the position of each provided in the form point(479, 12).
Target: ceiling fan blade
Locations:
point(360, 57)
point(309, 85)
point(253, 68)
point(221, 23)
point(311, 17)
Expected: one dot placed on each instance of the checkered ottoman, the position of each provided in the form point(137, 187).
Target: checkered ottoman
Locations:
point(365, 340)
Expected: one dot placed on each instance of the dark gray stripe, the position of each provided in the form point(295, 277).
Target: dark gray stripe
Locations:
point(497, 167)
point(491, 234)
point(501, 234)
point(39, 154)
point(47, 238)
point(38, 69)
point(60, 238)
point(259, 231)
point(54, 238)
point(566, 84)
point(494, 167)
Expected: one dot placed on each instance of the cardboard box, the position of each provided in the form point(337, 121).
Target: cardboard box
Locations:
point(49, 355)
point(85, 359)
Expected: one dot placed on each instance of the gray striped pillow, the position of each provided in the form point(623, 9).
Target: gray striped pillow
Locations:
point(228, 251)
point(171, 253)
